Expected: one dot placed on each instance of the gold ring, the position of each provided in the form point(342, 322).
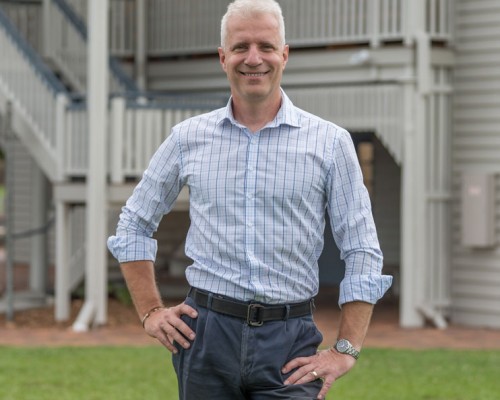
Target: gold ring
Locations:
point(315, 374)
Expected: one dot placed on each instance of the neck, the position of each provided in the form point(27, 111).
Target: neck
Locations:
point(255, 115)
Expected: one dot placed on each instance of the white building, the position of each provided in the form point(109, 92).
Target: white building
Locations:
point(417, 83)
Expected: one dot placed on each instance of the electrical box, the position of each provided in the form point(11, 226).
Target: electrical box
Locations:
point(478, 210)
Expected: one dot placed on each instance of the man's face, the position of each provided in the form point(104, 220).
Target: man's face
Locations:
point(253, 58)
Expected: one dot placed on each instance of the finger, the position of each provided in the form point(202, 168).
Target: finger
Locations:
point(172, 317)
point(160, 327)
point(175, 335)
point(324, 389)
point(178, 330)
point(301, 375)
point(167, 342)
point(295, 363)
point(188, 310)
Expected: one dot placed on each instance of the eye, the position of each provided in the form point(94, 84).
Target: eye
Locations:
point(267, 47)
point(240, 47)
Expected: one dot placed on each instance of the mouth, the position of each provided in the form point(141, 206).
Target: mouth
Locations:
point(253, 74)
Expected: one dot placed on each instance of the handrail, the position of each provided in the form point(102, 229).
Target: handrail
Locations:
point(26, 16)
point(60, 120)
point(175, 101)
point(32, 56)
point(36, 95)
point(80, 27)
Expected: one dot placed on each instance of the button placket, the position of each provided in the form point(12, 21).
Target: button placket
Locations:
point(250, 189)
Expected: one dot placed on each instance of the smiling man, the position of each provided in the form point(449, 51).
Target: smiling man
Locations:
point(253, 55)
point(261, 174)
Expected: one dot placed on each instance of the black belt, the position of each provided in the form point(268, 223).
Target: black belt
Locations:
point(254, 314)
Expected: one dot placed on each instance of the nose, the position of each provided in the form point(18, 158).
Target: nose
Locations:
point(253, 58)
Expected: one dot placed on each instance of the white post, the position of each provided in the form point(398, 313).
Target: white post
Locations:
point(96, 219)
point(140, 50)
point(415, 249)
point(46, 27)
point(60, 127)
point(117, 126)
point(414, 223)
point(374, 22)
point(62, 292)
point(412, 259)
point(409, 27)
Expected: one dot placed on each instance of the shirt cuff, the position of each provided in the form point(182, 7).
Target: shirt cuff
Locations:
point(132, 248)
point(367, 288)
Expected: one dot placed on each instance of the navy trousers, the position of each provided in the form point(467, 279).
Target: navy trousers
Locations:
point(230, 360)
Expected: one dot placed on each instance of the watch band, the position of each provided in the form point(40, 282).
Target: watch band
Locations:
point(343, 346)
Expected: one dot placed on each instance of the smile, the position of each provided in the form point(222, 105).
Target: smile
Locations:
point(254, 75)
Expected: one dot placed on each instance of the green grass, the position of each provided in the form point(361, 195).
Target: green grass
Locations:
point(129, 373)
point(95, 373)
point(422, 375)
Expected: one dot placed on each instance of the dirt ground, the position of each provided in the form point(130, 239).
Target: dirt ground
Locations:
point(37, 327)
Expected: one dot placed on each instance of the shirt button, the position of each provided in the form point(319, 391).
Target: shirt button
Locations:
point(250, 224)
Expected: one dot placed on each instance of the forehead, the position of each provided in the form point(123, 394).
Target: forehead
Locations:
point(253, 28)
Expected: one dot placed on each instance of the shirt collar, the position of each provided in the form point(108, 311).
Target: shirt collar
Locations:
point(287, 114)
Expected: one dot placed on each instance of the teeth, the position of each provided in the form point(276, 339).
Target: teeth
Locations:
point(255, 75)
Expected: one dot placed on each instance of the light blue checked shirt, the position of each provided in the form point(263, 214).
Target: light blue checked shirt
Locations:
point(257, 207)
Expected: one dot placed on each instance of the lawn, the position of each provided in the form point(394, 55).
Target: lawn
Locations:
point(129, 373)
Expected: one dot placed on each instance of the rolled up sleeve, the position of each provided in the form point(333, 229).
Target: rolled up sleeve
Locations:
point(367, 288)
point(353, 227)
point(128, 248)
point(152, 198)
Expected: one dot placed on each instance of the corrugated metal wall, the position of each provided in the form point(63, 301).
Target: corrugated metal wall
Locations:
point(476, 148)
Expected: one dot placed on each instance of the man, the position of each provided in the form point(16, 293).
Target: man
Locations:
point(260, 173)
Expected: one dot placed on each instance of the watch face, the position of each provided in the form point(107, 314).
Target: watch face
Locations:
point(342, 345)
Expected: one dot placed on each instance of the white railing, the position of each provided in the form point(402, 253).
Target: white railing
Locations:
point(440, 19)
point(136, 130)
point(33, 90)
point(122, 23)
point(122, 29)
point(360, 109)
point(59, 124)
point(67, 48)
point(176, 27)
point(27, 17)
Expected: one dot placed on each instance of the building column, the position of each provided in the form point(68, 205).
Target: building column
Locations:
point(95, 306)
point(140, 50)
point(412, 213)
point(62, 273)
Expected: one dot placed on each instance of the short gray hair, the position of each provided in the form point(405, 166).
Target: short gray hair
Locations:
point(249, 8)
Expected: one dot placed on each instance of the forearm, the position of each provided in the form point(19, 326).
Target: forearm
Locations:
point(354, 322)
point(141, 283)
point(330, 364)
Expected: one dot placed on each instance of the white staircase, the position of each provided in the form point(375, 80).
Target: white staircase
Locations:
point(52, 124)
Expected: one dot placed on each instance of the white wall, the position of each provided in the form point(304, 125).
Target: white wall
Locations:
point(476, 148)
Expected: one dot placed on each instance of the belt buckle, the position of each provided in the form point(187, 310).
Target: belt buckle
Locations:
point(253, 310)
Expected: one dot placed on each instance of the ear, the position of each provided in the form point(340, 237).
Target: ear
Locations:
point(222, 58)
point(286, 51)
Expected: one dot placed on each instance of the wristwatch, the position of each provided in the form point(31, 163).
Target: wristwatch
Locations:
point(343, 346)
